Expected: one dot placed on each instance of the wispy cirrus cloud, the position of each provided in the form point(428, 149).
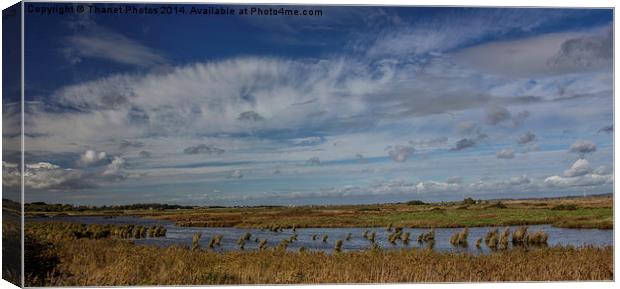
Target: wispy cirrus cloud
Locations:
point(95, 41)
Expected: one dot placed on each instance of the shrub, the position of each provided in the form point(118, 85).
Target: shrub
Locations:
point(497, 205)
point(469, 201)
point(565, 207)
point(415, 203)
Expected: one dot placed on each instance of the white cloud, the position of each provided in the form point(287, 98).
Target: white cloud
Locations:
point(496, 114)
point(42, 176)
point(454, 180)
point(91, 157)
point(505, 154)
point(203, 149)
point(526, 138)
point(236, 174)
point(548, 54)
point(400, 153)
point(579, 168)
point(115, 169)
point(582, 147)
point(452, 30)
point(314, 161)
point(580, 174)
point(586, 180)
point(94, 41)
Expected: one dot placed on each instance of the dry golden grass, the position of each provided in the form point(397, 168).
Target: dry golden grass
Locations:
point(108, 262)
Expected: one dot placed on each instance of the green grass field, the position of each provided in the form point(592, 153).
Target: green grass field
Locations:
point(588, 212)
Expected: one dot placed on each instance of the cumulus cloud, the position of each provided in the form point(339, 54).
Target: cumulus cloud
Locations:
point(525, 138)
point(519, 180)
point(464, 143)
point(91, 157)
point(115, 169)
point(43, 176)
point(530, 147)
point(505, 154)
point(313, 161)
point(249, 116)
point(547, 54)
point(582, 147)
point(579, 168)
point(603, 170)
point(236, 174)
point(400, 153)
point(496, 114)
point(580, 174)
point(585, 52)
point(203, 149)
point(473, 133)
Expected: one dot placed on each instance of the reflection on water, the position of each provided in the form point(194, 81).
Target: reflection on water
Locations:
point(183, 236)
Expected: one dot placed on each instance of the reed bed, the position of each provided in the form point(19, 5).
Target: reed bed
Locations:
point(95, 231)
point(110, 262)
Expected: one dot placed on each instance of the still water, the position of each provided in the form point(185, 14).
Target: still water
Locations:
point(183, 236)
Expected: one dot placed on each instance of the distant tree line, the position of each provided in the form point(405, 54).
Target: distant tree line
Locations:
point(44, 207)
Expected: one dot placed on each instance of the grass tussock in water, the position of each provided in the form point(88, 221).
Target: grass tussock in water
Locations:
point(427, 236)
point(460, 238)
point(110, 262)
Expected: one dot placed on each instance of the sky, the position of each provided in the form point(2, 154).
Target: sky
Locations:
point(358, 105)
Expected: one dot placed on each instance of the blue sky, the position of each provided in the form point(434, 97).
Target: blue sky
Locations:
point(360, 105)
